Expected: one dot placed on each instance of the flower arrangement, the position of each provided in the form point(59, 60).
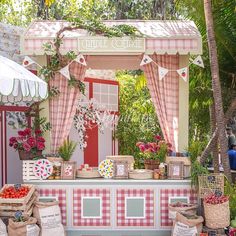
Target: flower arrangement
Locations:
point(156, 150)
point(29, 141)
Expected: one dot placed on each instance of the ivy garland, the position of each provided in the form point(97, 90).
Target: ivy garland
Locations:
point(58, 61)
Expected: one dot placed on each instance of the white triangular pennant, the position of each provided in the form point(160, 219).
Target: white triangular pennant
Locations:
point(80, 59)
point(65, 72)
point(198, 61)
point(146, 59)
point(162, 72)
point(28, 61)
point(183, 72)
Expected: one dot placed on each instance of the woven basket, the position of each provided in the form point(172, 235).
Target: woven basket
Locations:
point(217, 216)
point(141, 174)
point(150, 164)
point(210, 184)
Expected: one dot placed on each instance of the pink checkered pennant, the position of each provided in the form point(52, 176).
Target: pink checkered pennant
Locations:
point(121, 197)
point(61, 196)
point(105, 212)
point(166, 194)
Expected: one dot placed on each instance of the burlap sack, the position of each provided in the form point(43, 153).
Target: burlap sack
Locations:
point(190, 209)
point(187, 227)
point(27, 228)
point(3, 229)
point(48, 215)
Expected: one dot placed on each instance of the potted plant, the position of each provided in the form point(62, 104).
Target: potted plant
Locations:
point(154, 152)
point(66, 151)
point(29, 143)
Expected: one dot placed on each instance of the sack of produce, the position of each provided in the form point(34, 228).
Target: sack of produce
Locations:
point(3, 229)
point(217, 213)
point(187, 225)
point(181, 207)
point(23, 226)
point(48, 215)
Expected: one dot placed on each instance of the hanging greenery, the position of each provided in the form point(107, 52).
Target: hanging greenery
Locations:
point(58, 61)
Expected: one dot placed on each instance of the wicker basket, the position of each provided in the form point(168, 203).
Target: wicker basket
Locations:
point(141, 174)
point(217, 216)
point(28, 155)
point(150, 164)
point(88, 174)
point(210, 184)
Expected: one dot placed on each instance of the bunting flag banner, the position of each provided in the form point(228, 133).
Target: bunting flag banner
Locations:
point(28, 61)
point(162, 72)
point(80, 59)
point(146, 59)
point(198, 61)
point(183, 72)
point(65, 72)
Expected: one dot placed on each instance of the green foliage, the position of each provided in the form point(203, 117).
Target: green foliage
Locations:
point(230, 190)
point(195, 149)
point(196, 170)
point(41, 123)
point(200, 80)
point(138, 121)
point(67, 149)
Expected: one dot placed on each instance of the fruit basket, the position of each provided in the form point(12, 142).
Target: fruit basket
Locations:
point(17, 198)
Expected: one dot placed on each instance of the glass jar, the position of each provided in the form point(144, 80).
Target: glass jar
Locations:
point(156, 174)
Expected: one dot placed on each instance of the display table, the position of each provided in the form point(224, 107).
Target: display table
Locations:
point(105, 207)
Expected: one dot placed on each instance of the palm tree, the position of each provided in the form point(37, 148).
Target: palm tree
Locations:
point(216, 87)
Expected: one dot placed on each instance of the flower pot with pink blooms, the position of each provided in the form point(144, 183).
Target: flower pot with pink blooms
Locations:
point(154, 152)
point(29, 143)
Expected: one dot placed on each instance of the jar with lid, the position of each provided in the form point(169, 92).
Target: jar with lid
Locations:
point(156, 174)
point(162, 171)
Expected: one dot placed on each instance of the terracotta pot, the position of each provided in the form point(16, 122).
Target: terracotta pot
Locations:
point(28, 155)
point(151, 164)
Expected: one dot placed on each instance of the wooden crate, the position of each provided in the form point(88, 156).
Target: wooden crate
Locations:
point(8, 206)
point(27, 170)
point(23, 200)
point(12, 213)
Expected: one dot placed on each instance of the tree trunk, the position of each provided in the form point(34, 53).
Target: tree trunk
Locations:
point(216, 88)
point(210, 146)
point(215, 151)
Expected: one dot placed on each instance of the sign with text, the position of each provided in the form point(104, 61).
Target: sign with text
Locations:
point(111, 45)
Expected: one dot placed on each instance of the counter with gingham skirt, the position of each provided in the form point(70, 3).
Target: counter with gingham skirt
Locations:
point(109, 207)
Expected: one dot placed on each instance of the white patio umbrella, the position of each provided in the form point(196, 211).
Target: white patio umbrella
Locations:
point(19, 84)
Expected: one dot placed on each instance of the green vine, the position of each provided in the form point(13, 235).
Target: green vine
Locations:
point(58, 61)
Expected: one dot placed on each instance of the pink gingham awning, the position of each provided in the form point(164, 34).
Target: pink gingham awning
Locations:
point(162, 37)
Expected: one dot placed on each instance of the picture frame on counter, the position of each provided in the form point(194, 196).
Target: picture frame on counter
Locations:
point(121, 169)
point(176, 170)
point(68, 170)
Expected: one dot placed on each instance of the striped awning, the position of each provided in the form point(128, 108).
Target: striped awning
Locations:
point(161, 37)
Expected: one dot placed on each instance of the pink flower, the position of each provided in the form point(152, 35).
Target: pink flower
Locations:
point(21, 133)
point(142, 148)
point(41, 139)
point(38, 132)
point(157, 137)
point(31, 141)
point(27, 131)
point(40, 146)
point(138, 144)
point(12, 140)
point(15, 145)
point(26, 147)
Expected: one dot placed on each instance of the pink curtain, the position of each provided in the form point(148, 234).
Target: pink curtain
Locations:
point(165, 95)
point(62, 108)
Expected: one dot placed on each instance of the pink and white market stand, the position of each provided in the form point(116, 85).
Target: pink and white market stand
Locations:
point(116, 207)
point(126, 207)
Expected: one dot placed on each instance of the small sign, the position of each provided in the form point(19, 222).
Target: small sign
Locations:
point(111, 45)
